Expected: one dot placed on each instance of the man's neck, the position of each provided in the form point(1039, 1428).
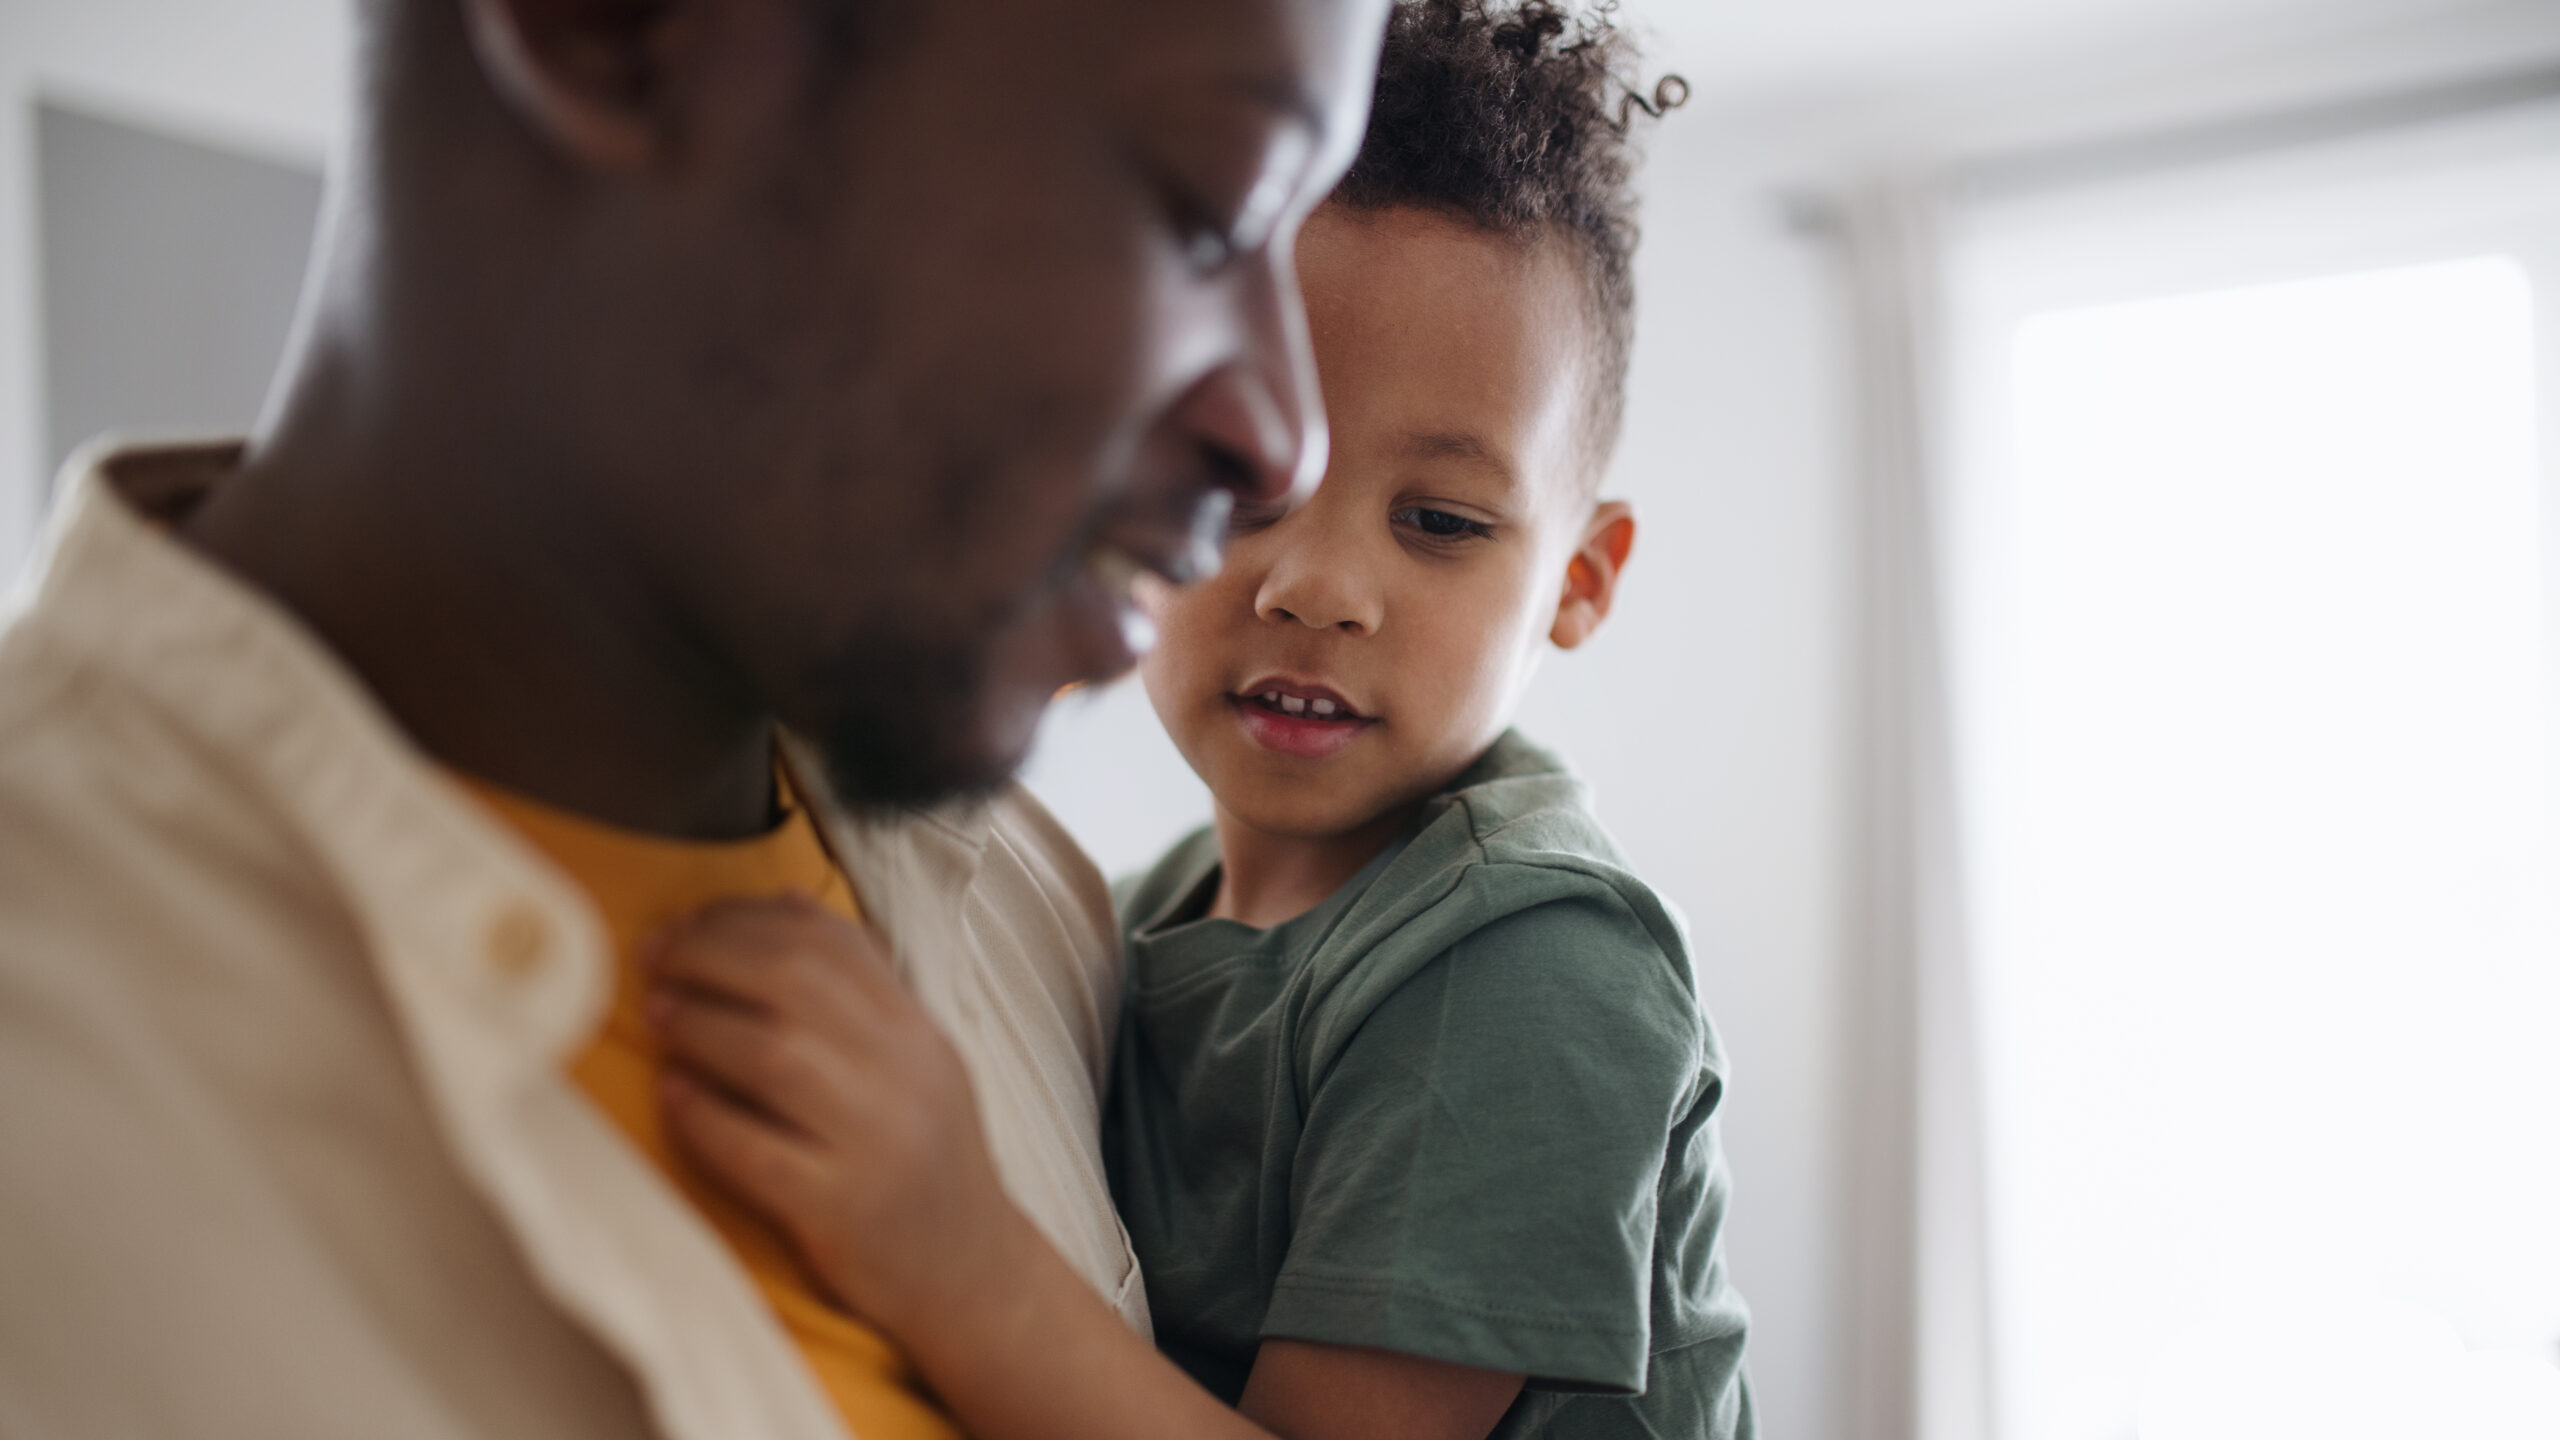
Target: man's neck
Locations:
point(506, 653)
point(1266, 879)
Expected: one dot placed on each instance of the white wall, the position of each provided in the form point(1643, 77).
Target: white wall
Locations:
point(172, 270)
point(265, 76)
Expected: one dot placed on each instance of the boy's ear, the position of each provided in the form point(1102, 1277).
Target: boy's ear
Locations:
point(596, 80)
point(1591, 577)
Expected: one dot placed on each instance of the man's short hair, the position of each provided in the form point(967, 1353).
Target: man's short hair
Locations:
point(1515, 116)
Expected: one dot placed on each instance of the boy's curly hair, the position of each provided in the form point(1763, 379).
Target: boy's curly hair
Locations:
point(1515, 116)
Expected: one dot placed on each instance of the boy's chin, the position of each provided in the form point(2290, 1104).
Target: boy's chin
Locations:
point(1295, 808)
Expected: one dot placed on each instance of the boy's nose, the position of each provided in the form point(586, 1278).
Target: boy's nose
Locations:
point(1308, 592)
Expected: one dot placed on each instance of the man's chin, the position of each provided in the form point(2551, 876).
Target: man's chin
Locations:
point(903, 724)
point(875, 769)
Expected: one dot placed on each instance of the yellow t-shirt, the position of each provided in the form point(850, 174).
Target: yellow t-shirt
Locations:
point(640, 883)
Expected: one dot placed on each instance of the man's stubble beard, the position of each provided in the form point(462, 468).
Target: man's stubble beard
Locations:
point(905, 719)
point(901, 730)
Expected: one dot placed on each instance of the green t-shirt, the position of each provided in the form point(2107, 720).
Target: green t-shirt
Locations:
point(1463, 1109)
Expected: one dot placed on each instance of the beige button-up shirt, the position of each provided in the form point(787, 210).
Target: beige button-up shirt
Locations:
point(286, 1145)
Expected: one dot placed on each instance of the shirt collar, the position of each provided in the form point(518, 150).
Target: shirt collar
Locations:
point(462, 916)
point(507, 934)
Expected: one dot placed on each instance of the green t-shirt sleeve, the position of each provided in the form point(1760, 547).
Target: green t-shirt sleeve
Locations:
point(1477, 1175)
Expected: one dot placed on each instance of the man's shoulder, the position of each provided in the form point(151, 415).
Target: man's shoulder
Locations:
point(1045, 861)
point(98, 791)
point(1007, 929)
point(1031, 836)
point(43, 685)
point(997, 864)
point(40, 697)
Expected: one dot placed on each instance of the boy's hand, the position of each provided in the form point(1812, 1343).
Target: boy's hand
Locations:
point(803, 1077)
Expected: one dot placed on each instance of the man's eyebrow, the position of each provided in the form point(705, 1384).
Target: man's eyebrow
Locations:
point(1464, 445)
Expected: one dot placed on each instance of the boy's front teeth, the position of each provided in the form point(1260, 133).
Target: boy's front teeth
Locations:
point(1292, 705)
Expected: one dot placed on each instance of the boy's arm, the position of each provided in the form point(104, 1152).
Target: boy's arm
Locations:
point(807, 1080)
point(1028, 1350)
point(1302, 1389)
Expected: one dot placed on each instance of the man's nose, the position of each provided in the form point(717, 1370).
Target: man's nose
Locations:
point(1260, 416)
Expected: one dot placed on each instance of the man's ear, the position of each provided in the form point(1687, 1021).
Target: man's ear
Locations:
point(1591, 577)
point(593, 78)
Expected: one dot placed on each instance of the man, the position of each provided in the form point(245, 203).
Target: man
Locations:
point(706, 412)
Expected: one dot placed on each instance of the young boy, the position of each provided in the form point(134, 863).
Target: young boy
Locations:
point(1412, 1123)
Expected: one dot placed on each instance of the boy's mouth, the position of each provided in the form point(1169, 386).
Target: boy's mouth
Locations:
point(1308, 721)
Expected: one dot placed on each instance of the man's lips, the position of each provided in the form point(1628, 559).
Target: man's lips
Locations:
point(1101, 588)
point(1183, 545)
point(1112, 631)
point(1297, 718)
point(1114, 575)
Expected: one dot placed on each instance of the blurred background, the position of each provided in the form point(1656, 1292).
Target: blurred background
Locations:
point(2087, 672)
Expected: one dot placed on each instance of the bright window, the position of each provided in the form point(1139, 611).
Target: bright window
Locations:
point(2258, 784)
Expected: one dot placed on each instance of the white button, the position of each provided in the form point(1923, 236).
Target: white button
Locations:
point(519, 940)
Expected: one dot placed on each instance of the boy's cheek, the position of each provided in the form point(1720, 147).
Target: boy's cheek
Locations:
point(1166, 672)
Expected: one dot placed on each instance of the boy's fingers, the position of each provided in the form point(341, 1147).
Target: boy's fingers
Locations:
point(801, 990)
point(753, 913)
point(734, 932)
point(764, 922)
point(781, 1069)
point(759, 964)
point(747, 1153)
point(775, 954)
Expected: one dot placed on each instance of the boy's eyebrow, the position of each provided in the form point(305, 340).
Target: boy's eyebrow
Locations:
point(1462, 445)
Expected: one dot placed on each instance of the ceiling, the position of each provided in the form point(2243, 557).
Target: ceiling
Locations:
point(1772, 49)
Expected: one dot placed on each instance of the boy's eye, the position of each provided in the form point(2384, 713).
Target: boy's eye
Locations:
point(1440, 524)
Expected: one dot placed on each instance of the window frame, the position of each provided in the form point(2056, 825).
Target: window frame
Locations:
point(2449, 189)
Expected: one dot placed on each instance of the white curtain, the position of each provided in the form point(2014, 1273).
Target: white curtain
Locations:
point(1919, 1367)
